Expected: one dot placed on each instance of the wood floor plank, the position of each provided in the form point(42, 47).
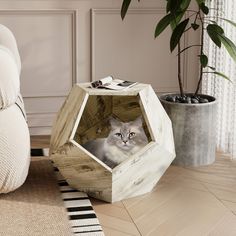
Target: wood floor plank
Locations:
point(112, 232)
point(99, 202)
point(230, 205)
point(189, 222)
point(40, 141)
point(191, 205)
point(118, 204)
point(204, 177)
point(185, 202)
point(226, 187)
point(111, 210)
point(223, 194)
point(227, 226)
point(118, 224)
point(188, 183)
point(154, 199)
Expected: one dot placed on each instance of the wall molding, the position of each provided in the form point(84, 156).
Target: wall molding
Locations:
point(40, 119)
point(110, 11)
point(73, 14)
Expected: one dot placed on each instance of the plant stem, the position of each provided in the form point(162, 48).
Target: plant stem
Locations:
point(188, 29)
point(179, 72)
point(195, 45)
point(201, 51)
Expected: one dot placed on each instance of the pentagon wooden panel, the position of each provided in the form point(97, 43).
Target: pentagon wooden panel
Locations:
point(158, 121)
point(83, 172)
point(94, 120)
point(67, 117)
point(140, 174)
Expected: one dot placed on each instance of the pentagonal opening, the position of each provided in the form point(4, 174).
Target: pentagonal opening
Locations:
point(112, 128)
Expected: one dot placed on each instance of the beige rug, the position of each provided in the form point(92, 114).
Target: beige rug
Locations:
point(36, 208)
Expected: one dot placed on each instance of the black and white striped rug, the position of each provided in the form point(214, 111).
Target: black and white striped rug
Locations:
point(82, 217)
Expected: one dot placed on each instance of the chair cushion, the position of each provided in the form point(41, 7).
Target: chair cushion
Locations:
point(9, 78)
point(8, 40)
point(15, 149)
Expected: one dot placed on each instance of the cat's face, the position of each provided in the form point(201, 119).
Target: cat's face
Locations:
point(127, 135)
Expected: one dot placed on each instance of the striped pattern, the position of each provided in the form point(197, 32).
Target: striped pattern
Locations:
point(82, 217)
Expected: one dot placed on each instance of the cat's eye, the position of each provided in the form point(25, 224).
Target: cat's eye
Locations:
point(118, 134)
point(131, 134)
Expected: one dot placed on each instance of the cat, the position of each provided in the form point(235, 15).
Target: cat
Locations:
point(124, 139)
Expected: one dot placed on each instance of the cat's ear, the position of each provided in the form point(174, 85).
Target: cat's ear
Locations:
point(138, 122)
point(114, 122)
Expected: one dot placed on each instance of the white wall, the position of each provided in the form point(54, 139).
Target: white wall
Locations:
point(62, 42)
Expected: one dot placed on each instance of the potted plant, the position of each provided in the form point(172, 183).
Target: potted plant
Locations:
point(193, 115)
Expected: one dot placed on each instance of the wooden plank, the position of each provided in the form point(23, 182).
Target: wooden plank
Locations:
point(112, 210)
point(126, 92)
point(67, 117)
point(97, 108)
point(158, 122)
point(151, 162)
point(118, 224)
point(99, 130)
point(114, 232)
point(83, 172)
point(126, 108)
point(230, 205)
point(40, 141)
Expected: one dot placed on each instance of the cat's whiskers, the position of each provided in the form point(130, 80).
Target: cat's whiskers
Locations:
point(124, 139)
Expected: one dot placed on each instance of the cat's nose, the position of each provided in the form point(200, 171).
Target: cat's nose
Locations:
point(125, 141)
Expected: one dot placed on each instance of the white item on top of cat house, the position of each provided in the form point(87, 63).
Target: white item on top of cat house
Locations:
point(85, 116)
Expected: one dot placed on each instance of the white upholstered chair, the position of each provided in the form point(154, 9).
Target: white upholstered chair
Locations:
point(14, 132)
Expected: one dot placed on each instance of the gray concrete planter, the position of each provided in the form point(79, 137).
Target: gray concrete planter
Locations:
point(194, 127)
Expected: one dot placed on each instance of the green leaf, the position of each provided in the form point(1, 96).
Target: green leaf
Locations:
point(176, 19)
point(177, 34)
point(173, 6)
point(229, 21)
point(214, 31)
point(216, 28)
point(204, 8)
point(194, 26)
point(162, 24)
point(203, 60)
point(229, 46)
point(184, 4)
point(178, 11)
point(124, 8)
point(222, 75)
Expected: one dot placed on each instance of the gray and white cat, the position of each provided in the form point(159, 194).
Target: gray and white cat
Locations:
point(124, 139)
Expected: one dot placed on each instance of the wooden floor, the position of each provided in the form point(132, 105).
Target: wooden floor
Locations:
point(186, 201)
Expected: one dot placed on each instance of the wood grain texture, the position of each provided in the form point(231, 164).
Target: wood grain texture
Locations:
point(142, 171)
point(94, 118)
point(83, 117)
point(202, 212)
point(182, 203)
point(158, 121)
point(83, 172)
point(126, 92)
point(66, 118)
point(40, 141)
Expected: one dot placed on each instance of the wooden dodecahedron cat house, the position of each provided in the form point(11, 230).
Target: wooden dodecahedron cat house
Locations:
point(84, 116)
